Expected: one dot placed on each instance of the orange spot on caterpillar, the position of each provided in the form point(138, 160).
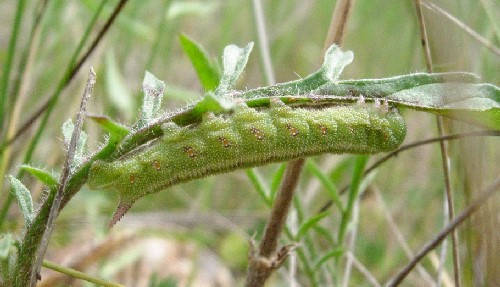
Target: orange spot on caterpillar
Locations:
point(257, 133)
point(324, 130)
point(132, 178)
point(156, 164)
point(225, 142)
point(293, 131)
point(190, 151)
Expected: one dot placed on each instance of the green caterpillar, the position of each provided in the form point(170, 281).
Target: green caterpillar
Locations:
point(246, 137)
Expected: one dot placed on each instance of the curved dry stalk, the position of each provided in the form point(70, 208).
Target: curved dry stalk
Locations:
point(378, 163)
point(445, 158)
point(473, 207)
point(476, 36)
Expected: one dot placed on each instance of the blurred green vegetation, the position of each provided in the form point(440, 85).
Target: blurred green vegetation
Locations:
point(213, 215)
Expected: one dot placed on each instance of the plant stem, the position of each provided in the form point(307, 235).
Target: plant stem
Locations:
point(445, 159)
point(262, 265)
point(78, 274)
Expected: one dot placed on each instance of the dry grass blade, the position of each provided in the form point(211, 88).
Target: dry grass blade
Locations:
point(445, 158)
point(476, 36)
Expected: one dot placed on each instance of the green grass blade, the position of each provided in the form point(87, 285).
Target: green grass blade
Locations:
point(7, 68)
point(259, 185)
point(207, 71)
point(326, 182)
point(310, 223)
point(354, 190)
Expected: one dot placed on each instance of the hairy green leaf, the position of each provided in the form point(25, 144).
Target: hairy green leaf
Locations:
point(113, 128)
point(44, 176)
point(5, 245)
point(206, 69)
point(24, 200)
point(310, 223)
point(234, 61)
point(478, 103)
point(153, 93)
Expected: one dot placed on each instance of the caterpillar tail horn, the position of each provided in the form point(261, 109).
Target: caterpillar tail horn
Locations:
point(119, 213)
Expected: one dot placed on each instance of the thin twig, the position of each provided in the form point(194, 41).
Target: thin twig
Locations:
point(476, 36)
point(362, 269)
point(54, 211)
point(378, 163)
point(86, 255)
point(400, 239)
point(79, 275)
point(424, 40)
point(445, 158)
point(263, 42)
point(444, 246)
point(351, 244)
point(483, 133)
point(338, 25)
point(481, 199)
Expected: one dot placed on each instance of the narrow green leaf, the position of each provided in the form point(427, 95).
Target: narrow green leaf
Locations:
point(234, 60)
point(207, 71)
point(23, 197)
point(331, 254)
point(381, 88)
point(276, 182)
point(326, 233)
point(259, 185)
point(212, 103)
point(311, 222)
point(456, 95)
point(42, 175)
point(354, 190)
point(112, 127)
point(326, 182)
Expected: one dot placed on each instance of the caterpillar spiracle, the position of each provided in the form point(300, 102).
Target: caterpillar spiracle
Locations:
point(246, 137)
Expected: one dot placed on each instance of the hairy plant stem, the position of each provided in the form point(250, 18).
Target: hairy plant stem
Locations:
point(30, 278)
